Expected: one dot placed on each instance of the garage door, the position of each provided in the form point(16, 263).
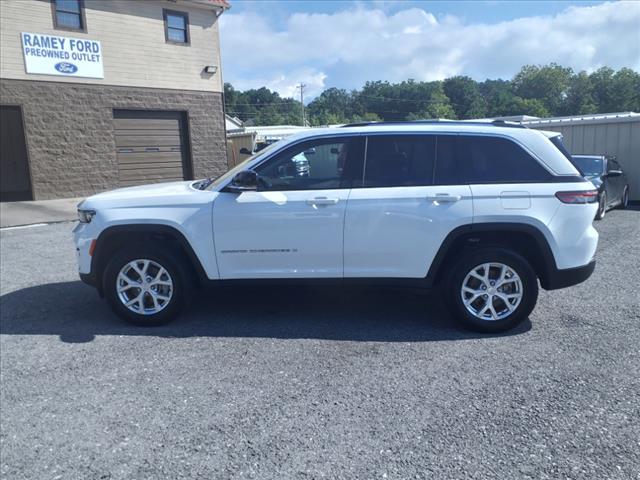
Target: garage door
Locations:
point(15, 183)
point(151, 147)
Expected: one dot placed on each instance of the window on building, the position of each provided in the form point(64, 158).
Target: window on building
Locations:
point(68, 14)
point(400, 160)
point(176, 27)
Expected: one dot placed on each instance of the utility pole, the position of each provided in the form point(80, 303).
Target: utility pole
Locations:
point(302, 87)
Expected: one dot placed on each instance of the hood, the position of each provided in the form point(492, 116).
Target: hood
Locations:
point(157, 194)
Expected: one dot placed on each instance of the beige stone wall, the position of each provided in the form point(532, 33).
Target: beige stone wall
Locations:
point(71, 142)
point(133, 42)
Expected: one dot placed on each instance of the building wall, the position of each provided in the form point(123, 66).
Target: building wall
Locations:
point(135, 52)
point(70, 135)
point(619, 137)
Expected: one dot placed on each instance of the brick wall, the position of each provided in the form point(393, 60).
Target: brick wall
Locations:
point(70, 137)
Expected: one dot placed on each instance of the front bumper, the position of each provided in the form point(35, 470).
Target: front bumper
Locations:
point(566, 277)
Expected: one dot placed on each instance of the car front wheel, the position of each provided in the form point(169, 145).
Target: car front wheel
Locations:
point(492, 290)
point(145, 287)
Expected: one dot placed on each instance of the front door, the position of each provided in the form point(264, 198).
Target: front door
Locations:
point(292, 227)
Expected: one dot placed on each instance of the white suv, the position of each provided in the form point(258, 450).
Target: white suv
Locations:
point(483, 210)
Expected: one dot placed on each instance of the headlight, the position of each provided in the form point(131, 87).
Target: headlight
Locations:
point(85, 216)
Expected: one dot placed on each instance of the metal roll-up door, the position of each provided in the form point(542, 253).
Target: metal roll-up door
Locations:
point(151, 147)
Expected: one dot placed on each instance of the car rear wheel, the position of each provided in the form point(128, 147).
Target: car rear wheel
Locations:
point(624, 203)
point(492, 290)
point(145, 287)
point(602, 206)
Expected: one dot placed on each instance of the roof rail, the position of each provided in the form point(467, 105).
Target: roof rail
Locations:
point(495, 123)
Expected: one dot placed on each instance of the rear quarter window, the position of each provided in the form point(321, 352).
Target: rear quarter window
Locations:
point(487, 159)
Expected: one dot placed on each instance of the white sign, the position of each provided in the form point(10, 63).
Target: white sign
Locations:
point(68, 57)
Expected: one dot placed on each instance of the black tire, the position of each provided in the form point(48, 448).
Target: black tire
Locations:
point(171, 261)
point(602, 206)
point(624, 203)
point(475, 258)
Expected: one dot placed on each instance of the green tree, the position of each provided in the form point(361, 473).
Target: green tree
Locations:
point(579, 99)
point(465, 97)
point(626, 90)
point(539, 91)
point(602, 84)
point(549, 84)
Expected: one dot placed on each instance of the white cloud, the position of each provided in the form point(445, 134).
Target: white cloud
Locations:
point(349, 47)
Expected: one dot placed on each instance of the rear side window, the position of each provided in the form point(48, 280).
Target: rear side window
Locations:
point(400, 160)
point(472, 159)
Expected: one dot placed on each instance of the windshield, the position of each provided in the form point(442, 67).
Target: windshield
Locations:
point(242, 165)
point(589, 166)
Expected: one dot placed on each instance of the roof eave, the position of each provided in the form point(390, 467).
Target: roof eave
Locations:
point(220, 5)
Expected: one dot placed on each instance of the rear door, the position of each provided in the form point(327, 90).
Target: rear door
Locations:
point(151, 147)
point(397, 218)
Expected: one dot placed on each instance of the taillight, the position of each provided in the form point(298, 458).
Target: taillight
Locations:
point(585, 196)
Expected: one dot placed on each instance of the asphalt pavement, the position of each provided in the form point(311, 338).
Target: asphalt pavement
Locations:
point(301, 382)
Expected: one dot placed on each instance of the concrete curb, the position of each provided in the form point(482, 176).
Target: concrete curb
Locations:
point(19, 214)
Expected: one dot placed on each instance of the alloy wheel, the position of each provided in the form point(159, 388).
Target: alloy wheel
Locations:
point(144, 286)
point(602, 206)
point(491, 291)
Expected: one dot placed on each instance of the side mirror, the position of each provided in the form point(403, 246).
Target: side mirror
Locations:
point(245, 181)
point(614, 173)
point(245, 151)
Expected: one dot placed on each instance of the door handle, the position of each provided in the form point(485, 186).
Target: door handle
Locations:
point(444, 198)
point(322, 201)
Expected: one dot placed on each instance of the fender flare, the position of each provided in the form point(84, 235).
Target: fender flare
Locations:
point(98, 263)
point(548, 268)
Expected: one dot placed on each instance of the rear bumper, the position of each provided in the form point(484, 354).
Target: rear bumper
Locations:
point(561, 278)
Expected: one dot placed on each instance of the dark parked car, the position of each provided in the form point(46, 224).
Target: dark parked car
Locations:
point(607, 175)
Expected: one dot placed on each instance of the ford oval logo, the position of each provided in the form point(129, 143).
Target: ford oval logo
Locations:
point(66, 67)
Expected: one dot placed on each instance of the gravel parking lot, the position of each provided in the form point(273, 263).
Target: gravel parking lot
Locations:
point(294, 382)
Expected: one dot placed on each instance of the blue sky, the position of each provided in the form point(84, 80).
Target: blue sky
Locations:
point(471, 10)
point(345, 43)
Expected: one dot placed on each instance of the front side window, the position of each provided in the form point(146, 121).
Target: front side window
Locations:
point(400, 160)
point(314, 165)
point(68, 14)
point(176, 26)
